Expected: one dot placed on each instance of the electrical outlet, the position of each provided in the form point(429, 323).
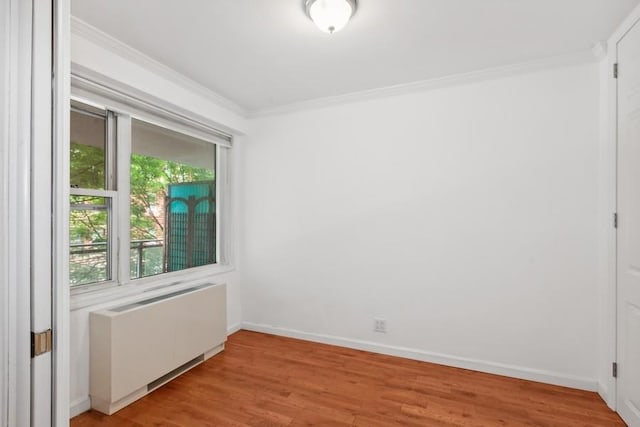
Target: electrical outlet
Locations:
point(380, 325)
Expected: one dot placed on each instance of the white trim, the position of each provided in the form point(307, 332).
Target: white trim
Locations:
point(60, 188)
point(94, 88)
point(39, 217)
point(234, 328)
point(224, 207)
point(7, 320)
point(107, 194)
point(166, 282)
point(607, 251)
point(121, 213)
point(624, 27)
point(79, 406)
point(521, 372)
point(15, 134)
point(610, 182)
point(19, 226)
point(581, 57)
point(603, 391)
point(121, 49)
point(102, 39)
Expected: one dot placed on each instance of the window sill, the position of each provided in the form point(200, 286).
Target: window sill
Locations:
point(105, 293)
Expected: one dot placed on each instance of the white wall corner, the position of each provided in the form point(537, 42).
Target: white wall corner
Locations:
point(599, 50)
point(234, 328)
point(609, 398)
point(79, 406)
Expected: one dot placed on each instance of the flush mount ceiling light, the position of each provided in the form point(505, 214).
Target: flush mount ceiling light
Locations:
point(330, 15)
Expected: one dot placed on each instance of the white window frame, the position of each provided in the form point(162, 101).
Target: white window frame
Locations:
point(109, 192)
point(153, 111)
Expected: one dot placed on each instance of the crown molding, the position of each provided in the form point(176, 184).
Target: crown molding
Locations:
point(576, 58)
point(108, 42)
point(104, 40)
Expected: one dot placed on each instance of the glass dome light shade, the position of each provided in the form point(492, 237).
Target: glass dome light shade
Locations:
point(330, 15)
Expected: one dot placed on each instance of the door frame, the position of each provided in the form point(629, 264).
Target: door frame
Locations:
point(60, 208)
point(40, 197)
point(607, 388)
point(7, 342)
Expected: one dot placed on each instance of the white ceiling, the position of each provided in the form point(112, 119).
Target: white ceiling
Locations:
point(266, 53)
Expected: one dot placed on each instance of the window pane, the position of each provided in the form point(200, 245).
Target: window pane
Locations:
point(88, 142)
point(89, 240)
point(172, 201)
point(146, 257)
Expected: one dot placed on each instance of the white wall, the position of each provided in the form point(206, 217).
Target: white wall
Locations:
point(103, 57)
point(464, 216)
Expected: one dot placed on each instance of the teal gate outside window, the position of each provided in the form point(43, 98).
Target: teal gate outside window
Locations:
point(190, 225)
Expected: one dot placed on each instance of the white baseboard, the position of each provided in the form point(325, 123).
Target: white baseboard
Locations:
point(234, 328)
point(441, 359)
point(79, 406)
point(603, 392)
point(606, 395)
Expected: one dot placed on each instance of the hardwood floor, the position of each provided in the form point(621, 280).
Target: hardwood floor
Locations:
point(265, 380)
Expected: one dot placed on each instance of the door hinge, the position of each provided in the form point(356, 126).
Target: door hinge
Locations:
point(614, 370)
point(41, 342)
point(615, 220)
point(615, 70)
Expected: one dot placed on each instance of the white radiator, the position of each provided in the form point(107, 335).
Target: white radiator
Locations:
point(137, 347)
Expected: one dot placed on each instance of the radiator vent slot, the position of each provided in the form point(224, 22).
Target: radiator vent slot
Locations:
point(184, 368)
point(148, 301)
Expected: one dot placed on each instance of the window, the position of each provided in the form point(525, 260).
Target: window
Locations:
point(91, 177)
point(172, 201)
point(90, 240)
point(151, 212)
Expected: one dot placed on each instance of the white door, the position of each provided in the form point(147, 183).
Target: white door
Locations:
point(628, 404)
